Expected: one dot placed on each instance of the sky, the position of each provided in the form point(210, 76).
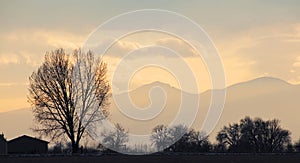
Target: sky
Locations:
point(254, 38)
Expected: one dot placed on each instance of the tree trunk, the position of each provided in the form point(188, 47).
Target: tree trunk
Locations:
point(75, 147)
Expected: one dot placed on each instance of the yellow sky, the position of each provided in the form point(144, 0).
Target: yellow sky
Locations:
point(254, 39)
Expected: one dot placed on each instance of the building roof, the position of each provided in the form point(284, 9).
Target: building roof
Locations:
point(2, 138)
point(28, 137)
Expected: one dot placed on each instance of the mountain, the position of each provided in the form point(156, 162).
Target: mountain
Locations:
point(17, 122)
point(148, 100)
point(264, 97)
point(267, 98)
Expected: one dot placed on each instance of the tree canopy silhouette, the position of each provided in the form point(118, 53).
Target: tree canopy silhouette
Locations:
point(116, 139)
point(192, 141)
point(179, 139)
point(69, 94)
point(161, 137)
point(254, 136)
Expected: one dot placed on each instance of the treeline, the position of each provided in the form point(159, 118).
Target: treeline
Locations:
point(246, 136)
point(69, 93)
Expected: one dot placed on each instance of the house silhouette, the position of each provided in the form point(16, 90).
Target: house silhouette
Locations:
point(3, 145)
point(23, 145)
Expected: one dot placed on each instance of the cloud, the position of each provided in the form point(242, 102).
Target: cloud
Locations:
point(178, 45)
point(21, 51)
point(123, 47)
point(271, 50)
point(47, 38)
point(14, 95)
point(297, 62)
point(20, 57)
point(258, 51)
point(29, 46)
point(9, 59)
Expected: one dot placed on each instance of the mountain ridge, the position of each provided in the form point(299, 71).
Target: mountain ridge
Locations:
point(243, 99)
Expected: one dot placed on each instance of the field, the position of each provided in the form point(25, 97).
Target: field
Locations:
point(187, 158)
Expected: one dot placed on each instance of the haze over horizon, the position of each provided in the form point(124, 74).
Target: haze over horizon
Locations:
point(258, 44)
point(178, 88)
point(254, 39)
point(264, 97)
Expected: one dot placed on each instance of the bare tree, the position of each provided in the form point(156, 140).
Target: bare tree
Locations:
point(188, 140)
point(161, 137)
point(178, 131)
point(254, 136)
point(69, 95)
point(297, 146)
point(116, 139)
point(230, 136)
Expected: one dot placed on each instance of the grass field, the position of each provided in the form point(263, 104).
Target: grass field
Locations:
point(185, 158)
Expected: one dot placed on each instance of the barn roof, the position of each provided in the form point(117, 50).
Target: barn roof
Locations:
point(27, 137)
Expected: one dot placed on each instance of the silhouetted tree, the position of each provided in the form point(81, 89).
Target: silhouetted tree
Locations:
point(254, 136)
point(69, 95)
point(230, 136)
point(176, 135)
point(290, 148)
point(184, 140)
point(219, 148)
point(161, 137)
point(297, 146)
point(178, 131)
point(115, 139)
point(57, 148)
point(192, 141)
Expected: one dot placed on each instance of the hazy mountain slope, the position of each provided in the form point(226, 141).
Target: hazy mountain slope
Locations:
point(154, 95)
point(265, 97)
point(16, 123)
